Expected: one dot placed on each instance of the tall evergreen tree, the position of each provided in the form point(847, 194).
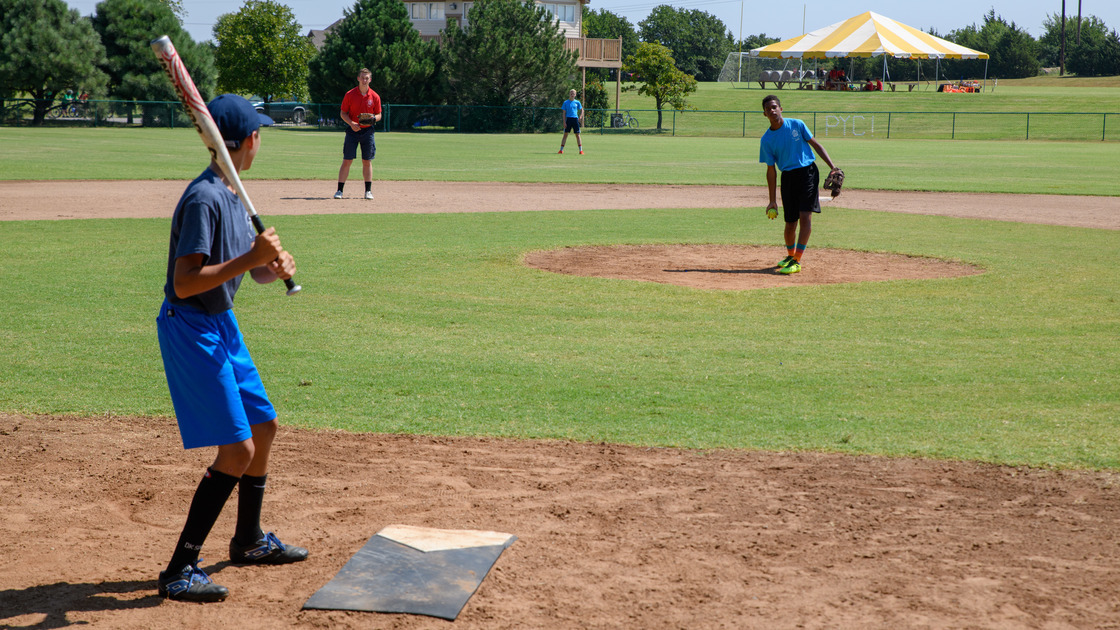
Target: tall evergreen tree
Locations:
point(46, 49)
point(262, 51)
point(1013, 52)
point(378, 35)
point(127, 28)
point(1098, 54)
point(511, 54)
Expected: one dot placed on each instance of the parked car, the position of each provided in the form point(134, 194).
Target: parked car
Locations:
point(282, 111)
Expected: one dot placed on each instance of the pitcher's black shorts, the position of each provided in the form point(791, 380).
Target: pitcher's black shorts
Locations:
point(799, 192)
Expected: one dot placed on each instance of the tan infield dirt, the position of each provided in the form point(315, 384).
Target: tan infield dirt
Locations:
point(608, 536)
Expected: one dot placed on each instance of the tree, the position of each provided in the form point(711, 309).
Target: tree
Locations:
point(594, 99)
point(1097, 55)
point(378, 35)
point(126, 28)
point(511, 54)
point(1013, 52)
point(46, 49)
point(756, 41)
point(654, 65)
point(699, 40)
point(262, 51)
point(177, 8)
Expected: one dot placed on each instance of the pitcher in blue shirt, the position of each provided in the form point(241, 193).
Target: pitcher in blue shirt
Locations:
point(788, 146)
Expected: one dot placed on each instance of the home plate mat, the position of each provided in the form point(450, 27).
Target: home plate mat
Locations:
point(414, 570)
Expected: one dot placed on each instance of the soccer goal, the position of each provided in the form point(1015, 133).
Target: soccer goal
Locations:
point(742, 68)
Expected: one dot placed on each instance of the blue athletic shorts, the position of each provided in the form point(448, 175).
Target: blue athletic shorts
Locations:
point(214, 385)
point(354, 139)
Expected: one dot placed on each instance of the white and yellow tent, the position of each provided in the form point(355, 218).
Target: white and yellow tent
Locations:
point(868, 35)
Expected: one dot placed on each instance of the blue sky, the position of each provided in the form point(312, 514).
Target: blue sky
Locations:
point(776, 19)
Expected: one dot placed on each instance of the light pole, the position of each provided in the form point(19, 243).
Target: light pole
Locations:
point(1062, 53)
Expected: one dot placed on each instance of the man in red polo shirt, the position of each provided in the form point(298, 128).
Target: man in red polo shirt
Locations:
point(361, 108)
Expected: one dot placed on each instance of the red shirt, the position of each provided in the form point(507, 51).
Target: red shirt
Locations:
point(355, 103)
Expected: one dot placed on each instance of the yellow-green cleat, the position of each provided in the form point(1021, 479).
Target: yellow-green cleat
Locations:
point(792, 267)
point(785, 262)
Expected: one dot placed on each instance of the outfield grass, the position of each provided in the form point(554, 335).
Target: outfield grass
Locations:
point(429, 324)
point(966, 166)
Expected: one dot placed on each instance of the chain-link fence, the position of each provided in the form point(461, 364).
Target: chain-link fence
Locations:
point(962, 125)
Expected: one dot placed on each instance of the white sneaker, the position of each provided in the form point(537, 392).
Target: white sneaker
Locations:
point(338, 195)
point(369, 195)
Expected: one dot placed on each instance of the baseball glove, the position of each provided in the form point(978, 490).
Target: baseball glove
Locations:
point(834, 182)
point(365, 117)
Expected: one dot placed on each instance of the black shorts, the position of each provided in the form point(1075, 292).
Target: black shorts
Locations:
point(799, 192)
point(354, 139)
point(571, 124)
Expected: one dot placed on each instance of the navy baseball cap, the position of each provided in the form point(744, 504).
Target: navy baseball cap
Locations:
point(236, 118)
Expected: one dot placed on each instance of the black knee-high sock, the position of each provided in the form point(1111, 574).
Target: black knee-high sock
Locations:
point(250, 495)
point(212, 493)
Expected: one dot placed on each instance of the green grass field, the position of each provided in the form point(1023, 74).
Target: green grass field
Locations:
point(1085, 168)
point(430, 324)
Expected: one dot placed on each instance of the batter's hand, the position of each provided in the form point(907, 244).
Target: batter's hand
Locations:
point(772, 211)
point(284, 266)
point(266, 247)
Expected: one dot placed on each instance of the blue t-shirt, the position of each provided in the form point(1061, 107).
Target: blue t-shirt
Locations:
point(787, 147)
point(571, 108)
point(209, 220)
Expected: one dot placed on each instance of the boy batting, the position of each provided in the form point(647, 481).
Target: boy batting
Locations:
point(217, 393)
point(788, 146)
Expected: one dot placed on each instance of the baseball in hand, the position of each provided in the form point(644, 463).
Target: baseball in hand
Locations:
point(771, 213)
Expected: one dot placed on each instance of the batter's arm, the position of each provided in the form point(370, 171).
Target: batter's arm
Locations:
point(192, 277)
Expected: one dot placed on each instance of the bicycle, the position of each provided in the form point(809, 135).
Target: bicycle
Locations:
point(74, 109)
point(623, 119)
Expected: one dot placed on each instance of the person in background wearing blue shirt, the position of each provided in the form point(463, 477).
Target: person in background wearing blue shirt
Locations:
point(788, 145)
point(573, 118)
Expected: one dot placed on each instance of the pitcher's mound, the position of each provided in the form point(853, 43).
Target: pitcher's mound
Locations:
point(739, 267)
